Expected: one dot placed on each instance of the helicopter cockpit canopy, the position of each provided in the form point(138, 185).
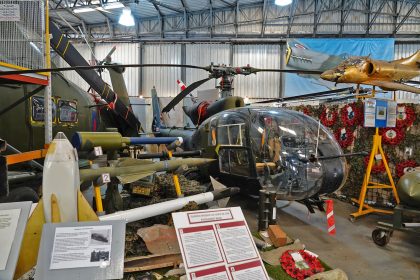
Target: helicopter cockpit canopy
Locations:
point(278, 147)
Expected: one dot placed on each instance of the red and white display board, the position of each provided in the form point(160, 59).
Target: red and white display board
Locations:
point(216, 244)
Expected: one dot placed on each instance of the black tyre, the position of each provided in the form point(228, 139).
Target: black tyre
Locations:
point(380, 237)
point(22, 194)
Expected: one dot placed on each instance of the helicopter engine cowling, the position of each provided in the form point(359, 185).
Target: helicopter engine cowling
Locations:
point(203, 110)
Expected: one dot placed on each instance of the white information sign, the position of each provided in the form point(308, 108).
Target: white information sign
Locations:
point(217, 245)
point(8, 223)
point(83, 246)
point(9, 12)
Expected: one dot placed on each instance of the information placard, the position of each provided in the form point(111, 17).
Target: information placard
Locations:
point(81, 247)
point(380, 113)
point(13, 219)
point(8, 224)
point(217, 245)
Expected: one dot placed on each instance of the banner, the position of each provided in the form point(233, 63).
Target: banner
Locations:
point(323, 54)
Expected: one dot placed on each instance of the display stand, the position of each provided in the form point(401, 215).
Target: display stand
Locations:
point(367, 184)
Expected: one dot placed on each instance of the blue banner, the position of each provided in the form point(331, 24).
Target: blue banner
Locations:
point(323, 54)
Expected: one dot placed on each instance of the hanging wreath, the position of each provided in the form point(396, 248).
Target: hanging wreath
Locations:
point(377, 167)
point(405, 116)
point(344, 136)
point(289, 265)
point(403, 167)
point(328, 117)
point(392, 135)
point(351, 115)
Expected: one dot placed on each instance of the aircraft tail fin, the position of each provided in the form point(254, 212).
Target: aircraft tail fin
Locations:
point(412, 60)
point(157, 123)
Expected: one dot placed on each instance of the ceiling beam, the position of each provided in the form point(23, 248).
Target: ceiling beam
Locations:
point(291, 17)
point(264, 18)
point(166, 6)
point(375, 16)
point(413, 6)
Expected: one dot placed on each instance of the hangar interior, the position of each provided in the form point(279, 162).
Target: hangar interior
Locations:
point(210, 139)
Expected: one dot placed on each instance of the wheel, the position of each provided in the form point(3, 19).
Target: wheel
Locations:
point(380, 237)
point(23, 194)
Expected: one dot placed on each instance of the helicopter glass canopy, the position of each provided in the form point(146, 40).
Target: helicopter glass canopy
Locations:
point(283, 149)
point(284, 145)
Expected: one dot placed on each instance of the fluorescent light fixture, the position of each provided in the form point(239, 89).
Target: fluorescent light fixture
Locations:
point(114, 5)
point(283, 2)
point(126, 17)
point(83, 10)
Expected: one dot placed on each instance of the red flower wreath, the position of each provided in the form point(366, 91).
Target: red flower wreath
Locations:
point(392, 135)
point(401, 167)
point(288, 264)
point(306, 111)
point(351, 115)
point(344, 136)
point(405, 116)
point(328, 116)
point(377, 167)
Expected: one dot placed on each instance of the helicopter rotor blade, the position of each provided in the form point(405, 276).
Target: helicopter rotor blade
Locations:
point(30, 71)
point(184, 93)
point(293, 71)
point(315, 94)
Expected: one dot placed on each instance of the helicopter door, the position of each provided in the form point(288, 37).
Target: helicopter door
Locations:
point(235, 161)
point(234, 157)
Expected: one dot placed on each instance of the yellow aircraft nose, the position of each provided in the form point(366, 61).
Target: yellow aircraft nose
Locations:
point(329, 75)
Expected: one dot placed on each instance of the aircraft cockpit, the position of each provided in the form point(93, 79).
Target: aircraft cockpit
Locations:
point(278, 149)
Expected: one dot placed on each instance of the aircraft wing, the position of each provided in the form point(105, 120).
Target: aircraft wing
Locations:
point(387, 85)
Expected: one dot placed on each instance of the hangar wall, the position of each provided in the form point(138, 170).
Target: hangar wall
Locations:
point(263, 85)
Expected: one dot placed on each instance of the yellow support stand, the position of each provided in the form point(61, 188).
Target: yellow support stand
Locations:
point(367, 184)
point(98, 199)
point(176, 180)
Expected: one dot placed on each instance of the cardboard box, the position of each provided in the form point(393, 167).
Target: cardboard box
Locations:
point(277, 235)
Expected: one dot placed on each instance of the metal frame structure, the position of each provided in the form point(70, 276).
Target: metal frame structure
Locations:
point(217, 19)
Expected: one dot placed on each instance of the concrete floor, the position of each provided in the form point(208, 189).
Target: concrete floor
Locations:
point(352, 248)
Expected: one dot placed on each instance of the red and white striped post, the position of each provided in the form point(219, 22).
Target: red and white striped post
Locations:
point(330, 217)
point(181, 85)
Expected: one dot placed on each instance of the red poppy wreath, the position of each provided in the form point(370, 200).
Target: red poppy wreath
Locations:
point(344, 136)
point(402, 167)
point(328, 117)
point(392, 135)
point(405, 116)
point(296, 271)
point(377, 167)
point(351, 115)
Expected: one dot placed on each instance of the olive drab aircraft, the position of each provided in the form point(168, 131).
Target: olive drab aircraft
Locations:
point(388, 75)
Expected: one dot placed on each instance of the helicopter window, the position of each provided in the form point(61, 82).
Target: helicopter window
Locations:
point(231, 134)
point(212, 135)
point(234, 161)
point(67, 111)
point(37, 109)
